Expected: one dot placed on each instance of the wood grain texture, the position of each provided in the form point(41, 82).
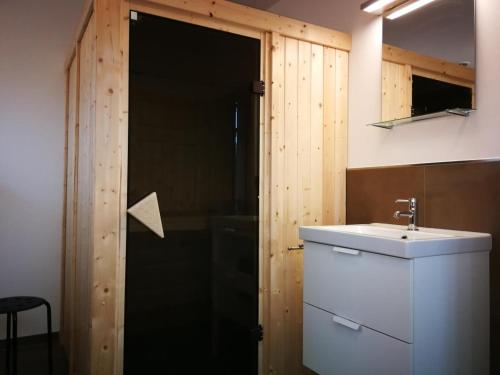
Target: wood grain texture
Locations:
point(340, 141)
point(262, 21)
point(85, 198)
point(329, 89)
point(293, 292)
point(317, 134)
point(87, 11)
point(307, 172)
point(445, 68)
point(396, 91)
point(194, 18)
point(123, 129)
point(69, 258)
point(304, 134)
point(107, 169)
point(277, 256)
point(265, 204)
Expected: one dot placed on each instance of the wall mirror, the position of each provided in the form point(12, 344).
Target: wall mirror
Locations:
point(428, 67)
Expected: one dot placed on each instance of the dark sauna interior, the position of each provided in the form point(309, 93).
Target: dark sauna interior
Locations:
point(192, 297)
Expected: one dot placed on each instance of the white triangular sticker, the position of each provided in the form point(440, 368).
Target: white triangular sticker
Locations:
point(147, 211)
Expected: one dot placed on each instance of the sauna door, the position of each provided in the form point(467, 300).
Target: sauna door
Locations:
point(191, 298)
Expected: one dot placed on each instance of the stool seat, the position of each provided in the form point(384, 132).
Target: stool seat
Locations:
point(17, 304)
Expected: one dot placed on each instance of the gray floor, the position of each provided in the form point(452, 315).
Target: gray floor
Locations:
point(32, 356)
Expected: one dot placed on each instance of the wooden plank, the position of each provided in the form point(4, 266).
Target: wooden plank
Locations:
point(194, 18)
point(304, 120)
point(316, 134)
point(123, 128)
point(277, 256)
point(340, 147)
point(329, 76)
point(262, 21)
point(293, 293)
point(86, 133)
point(106, 212)
point(70, 197)
point(445, 68)
point(406, 89)
point(303, 165)
point(88, 9)
point(264, 203)
point(62, 330)
point(396, 91)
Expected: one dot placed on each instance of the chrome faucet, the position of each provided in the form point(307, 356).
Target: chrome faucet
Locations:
point(411, 214)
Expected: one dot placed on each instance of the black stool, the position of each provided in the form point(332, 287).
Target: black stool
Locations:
point(11, 306)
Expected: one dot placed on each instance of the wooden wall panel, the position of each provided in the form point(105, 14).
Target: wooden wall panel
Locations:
point(264, 201)
point(316, 146)
point(338, 180)
point(292, 317)
point(278, 249)
point(85, 197)
point(309, 129)
point(396, 91)
point(329, 68)
point(106, 188)
point(70, 211)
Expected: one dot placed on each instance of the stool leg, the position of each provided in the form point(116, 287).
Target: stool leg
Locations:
point(49, 335)
point(14, 343)
point(8, 343)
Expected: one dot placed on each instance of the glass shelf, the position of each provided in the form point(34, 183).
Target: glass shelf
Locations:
point(462, 112)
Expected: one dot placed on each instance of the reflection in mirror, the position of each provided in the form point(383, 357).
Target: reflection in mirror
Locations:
point(428, 62)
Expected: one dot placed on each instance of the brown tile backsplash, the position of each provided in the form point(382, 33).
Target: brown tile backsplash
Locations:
point(371, 193)
point(462, 196)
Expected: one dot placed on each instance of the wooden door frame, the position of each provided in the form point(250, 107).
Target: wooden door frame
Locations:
point(108, 248)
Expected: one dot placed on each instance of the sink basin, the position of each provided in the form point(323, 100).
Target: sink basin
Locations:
point(395, 233)
point(396, 240)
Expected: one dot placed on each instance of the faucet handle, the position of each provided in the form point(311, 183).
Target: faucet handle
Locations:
point(407, 201)
point(411, 202)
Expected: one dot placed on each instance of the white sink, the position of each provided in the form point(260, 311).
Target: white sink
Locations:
point(396, 240)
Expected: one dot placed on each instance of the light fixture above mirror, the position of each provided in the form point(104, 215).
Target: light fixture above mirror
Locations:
point(393, 9)
point(379, 6)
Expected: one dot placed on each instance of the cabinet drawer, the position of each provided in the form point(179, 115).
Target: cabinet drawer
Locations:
point(371, 289)
point(332, 348)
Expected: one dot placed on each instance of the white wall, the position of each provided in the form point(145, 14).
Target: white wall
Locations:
point(446, 139)
point(35, 38)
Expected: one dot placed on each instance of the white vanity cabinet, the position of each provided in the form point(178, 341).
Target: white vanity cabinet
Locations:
point(371, 313)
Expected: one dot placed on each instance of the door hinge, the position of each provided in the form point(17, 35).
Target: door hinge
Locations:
point(259, 87)
point(258, 332)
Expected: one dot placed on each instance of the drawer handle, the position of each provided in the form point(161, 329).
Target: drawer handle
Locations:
point(346, 323)
point(343, 250)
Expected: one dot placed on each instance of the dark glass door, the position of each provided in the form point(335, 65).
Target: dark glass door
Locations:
point(191, 299)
